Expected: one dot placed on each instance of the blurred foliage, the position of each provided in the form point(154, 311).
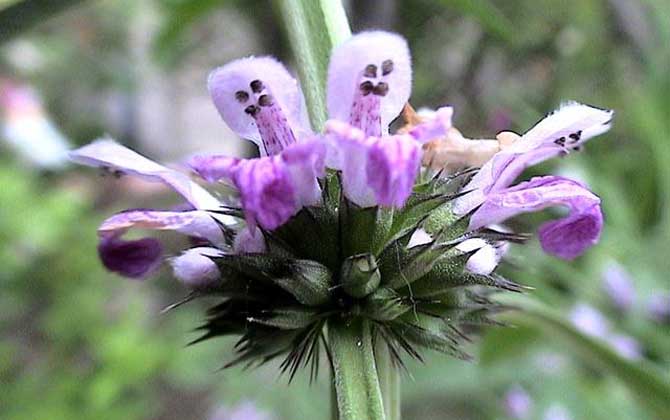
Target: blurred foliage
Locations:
point(82, 344)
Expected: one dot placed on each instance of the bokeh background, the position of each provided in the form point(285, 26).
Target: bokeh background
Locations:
point(80, 343)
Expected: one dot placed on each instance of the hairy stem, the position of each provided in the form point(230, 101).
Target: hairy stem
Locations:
point(314, 27)
point(389, 381)
point(355, 371)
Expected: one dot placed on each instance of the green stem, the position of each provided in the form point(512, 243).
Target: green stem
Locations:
point(314, 27)
point(389, 381)
point(355, 372)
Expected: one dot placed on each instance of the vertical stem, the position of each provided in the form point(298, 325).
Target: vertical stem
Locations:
point(314, 27)
point(355, 371)
point(389, 381)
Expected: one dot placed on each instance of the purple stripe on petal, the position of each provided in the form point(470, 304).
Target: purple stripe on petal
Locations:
point(369, 80)
point(108, 154)
point(566, 238)
point(260, 101)
point(134, 259)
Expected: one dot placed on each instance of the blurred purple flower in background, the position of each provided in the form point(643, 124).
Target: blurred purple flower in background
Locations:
point(518, 403)
point(658, 307)
point(592, 322)
point(557, 412)
point(618, 286)
point(243, 411)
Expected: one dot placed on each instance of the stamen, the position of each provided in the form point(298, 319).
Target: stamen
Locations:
point(387, 67)
point(241, 96)
point(266, 100)
point(381, 89)
point(252, 110)
point(370, 71)
point(256, 86)
point(576, 136)
point(366, 87)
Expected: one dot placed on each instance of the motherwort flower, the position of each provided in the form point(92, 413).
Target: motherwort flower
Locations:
point(345, 225)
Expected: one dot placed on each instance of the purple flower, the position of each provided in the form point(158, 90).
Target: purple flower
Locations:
point(557, 412)
point(593, 323)
point(564, 130)
point(139, 258)
point(618, 286)
point(658, 307)
point(243, 411)
point(518, 403)
point(369, 83)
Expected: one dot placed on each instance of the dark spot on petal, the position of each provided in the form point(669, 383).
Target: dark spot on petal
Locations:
point(370, 71)
point(252, 110)
point(241, 96)
point(381, 89)
point(387, 67)
point(366, 87)
point(256, 86)
point(576, 136)
point(266, 100)
point(560, 142)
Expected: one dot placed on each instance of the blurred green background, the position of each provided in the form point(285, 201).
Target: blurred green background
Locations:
point(80, 343)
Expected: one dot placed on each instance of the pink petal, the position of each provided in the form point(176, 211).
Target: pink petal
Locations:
point(106, 153)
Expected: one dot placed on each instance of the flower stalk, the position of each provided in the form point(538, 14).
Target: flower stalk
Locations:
point(355, 372)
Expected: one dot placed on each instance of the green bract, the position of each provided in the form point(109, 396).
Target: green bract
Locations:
point(342, 263)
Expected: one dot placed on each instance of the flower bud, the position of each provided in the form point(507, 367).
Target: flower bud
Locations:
point(360, 275)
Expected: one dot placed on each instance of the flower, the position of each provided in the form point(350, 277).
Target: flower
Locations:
point(493, 201)
point(591, 322)
point(345, 224)
point(139, 258)
point(658, 307)
point(618, 286)
point(518, 403)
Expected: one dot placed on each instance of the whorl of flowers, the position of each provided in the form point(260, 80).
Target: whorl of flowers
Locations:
point(346, 224)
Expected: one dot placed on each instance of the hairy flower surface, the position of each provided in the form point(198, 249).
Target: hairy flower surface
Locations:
point(345, 223)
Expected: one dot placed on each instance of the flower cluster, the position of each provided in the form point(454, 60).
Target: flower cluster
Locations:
point(346, 222)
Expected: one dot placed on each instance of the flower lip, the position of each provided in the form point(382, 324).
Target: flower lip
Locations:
point(134, 259)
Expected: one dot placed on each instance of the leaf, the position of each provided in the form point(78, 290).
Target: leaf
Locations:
point(287, 318)
point(314, 28)
point(647, 384)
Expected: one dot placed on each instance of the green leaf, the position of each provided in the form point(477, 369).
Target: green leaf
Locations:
point(314, 28)
point(647, 384)
point(287, 318)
